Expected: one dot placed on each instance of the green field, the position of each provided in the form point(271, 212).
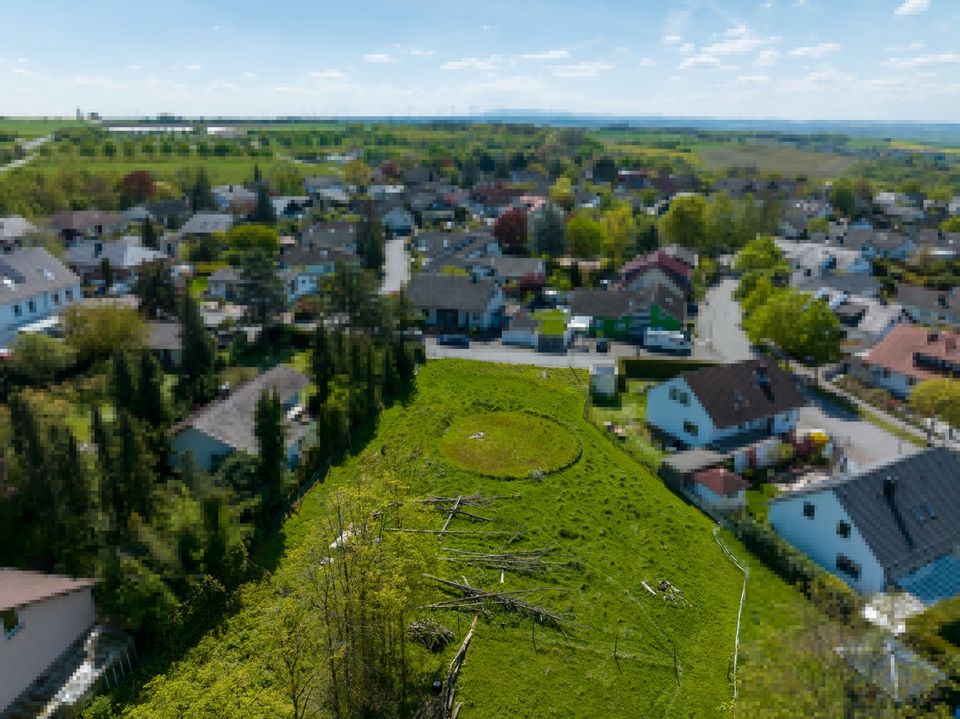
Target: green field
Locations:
point(606, 513)
point(775, 158)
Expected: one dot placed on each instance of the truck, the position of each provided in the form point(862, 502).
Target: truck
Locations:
point(670, 341)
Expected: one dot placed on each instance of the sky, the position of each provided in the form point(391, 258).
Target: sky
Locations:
point(891, 60)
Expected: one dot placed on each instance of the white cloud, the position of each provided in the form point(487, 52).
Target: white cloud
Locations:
point(589, 68)
point(485, 64)
point(672, 40)
point(377, 57)
point(814, 51)
point(912, 7)
point(905, 63)
point(647, 62)
point(546, 55)
point(766, 58)
point(687, 47)
point(132, 66)
point(702, 60)
point(420, 52)
point(248, 75)
point(739, 40)
point(751, 80)
point(909, 47)
point(328, 74)
point(191, 68)
point(220, 86)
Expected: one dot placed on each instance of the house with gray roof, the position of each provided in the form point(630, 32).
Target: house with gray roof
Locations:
point(929, 306)
point(73, 225)
point(452, 302)
point(125, 256)
point(893, 527)
point(225, 284)
point(205, 224)
point(13, 231)
point(226, 425)
point(34, 285)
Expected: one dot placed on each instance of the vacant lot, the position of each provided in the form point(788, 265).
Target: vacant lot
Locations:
point(775, 158)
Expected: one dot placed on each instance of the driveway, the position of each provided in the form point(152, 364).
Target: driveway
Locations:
point(864, 443)
point(718, 324)
point(504, 354)
point(396, 266)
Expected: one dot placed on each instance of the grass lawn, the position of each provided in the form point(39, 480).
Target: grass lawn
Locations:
point(770, 157)
point(198, 285)
point(757, 500)
point(607, 513)
point(508, 444)
point(552, 322)
point(630, 412)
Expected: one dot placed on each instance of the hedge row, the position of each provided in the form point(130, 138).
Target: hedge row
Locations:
point(658, 368)
point(828, 592)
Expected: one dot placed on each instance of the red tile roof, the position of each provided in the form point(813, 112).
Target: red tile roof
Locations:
point(720, 480)
point(658, 258)
point(898, 351)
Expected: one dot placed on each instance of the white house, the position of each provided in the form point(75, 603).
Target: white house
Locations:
point(895, 526)
point(717, 489)
point(42, 616)
point(908, 355)
point(226, 425)
point(33, 286)
point(726, 403)
point(456, 302)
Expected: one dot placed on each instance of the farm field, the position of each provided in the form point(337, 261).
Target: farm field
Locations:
point(774, 158)
point(612, 522)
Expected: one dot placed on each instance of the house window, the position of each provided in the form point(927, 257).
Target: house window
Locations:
point(674, 394)
point(843, 529)
point(17, 310)
point(809, 510)
point(691, 428)
point(11, 622)
point(32, 305)
point(684, 399)
point(69, 295)
point(56, 298)
point(848, 566)
point(886, 373)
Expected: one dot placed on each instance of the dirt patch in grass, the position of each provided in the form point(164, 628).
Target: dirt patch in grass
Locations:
point(512, 445)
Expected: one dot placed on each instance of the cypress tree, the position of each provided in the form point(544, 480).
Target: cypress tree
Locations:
point(151, 405)
point(197, 370)
point(149, 236)
point(271, 459)
point(122, 383)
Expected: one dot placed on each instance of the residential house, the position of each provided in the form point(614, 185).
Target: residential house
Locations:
point(454, 302)
point(291, 207)
point(717, 490)
point(13, 231)
point(226, 425)
point(170, 214)
point(434, 247)
point(225, 284)
point(125, 257)
point(165, 342)
point(954, 207)
point(207, 224)
point(419, 176)
point(930, 307)
point(339, 236)
point(626, 315)
point(813, 259)
point(894, 527)
point(236, 199)
point(737, 402)
point(657, 269)
point(687, 256)
point(865, 320)
point(875, 243)
point(398, 222)
point(327, 191)
point(938, 245)
point(73, 225)
point(521, 330)
point(34, 285)
point(303, 267)
point(908, 355)
point(858, 284)
point(41, 617)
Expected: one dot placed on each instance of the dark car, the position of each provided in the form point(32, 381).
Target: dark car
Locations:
point(603, 346)
point(453, 340)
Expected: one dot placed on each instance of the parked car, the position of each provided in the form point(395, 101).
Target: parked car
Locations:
point(667, 341)
point(453, 340)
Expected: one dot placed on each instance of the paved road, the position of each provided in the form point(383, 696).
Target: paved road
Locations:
point(718, 324)
point(865, 444)
point(497, 352)
point(396, 266)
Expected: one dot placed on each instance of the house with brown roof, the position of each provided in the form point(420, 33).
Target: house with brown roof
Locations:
point(928, 306)
point(726, 404)
point(657, 269)
point(717, 489)
point(908, 355)
point(42, 615)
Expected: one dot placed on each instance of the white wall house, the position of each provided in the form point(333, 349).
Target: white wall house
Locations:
point(724, 402)
point(819, 526)
point(33, 286)
point(456, 302)
point(42, 615)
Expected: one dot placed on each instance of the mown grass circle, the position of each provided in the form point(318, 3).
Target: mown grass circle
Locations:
point(511, 445)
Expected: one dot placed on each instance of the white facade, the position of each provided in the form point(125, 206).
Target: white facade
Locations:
point(896, 383)
point(674, 409)
point(46, 629)
point(820, 537)
point(652, 278)
point(711, 500)
point(15, 313)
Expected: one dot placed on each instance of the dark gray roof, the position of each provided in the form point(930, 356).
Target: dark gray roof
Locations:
point(853, 283)
point(206, 223)
point(301, 255)
point(31, 271)
point(164, 336)
point(686, 256)
point(85, 220)
point(226, 274)
point(14, 228)
point(914, 524)
point(735, 393)
point(607, 304)
point(231, 420)
point(693, 460)
point(450, 292)
point(331, 235)
point(925, 298)
point(515, 267)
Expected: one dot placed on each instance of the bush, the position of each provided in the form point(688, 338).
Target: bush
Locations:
point(657, 368)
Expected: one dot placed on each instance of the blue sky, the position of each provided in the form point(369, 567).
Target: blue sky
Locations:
point(795, 59)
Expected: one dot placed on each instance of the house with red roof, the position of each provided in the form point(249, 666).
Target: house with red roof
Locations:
point(657, 269)
point(718, 489)
point(908, 355)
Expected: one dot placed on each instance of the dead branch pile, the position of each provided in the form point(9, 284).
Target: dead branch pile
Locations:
point(430, 633)
point(473, 599)
point(523, 562)
point(466, 500)
point(441, 706)
point(672, 594)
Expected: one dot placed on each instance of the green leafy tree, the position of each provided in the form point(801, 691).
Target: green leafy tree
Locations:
point(106, 273)
point(201, 192)
point(619, 232)
point(561, 193)
point(262, 289)
point(937, 397)
point(720, 219)
point(264, 212)
point(148, 234)
point(155, 289)
point(246, 238)
point(548, 231)
point(685, 223)
point(197, 382)
point(271, 456)
point(357, 173)
point(843, 197)
point(370, 239)
point(39, 358)
point(585, 236)
point(951, 224)
point(96, 331)
point(122, 383)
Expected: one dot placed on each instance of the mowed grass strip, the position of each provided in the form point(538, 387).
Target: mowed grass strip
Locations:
point(508, 444)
